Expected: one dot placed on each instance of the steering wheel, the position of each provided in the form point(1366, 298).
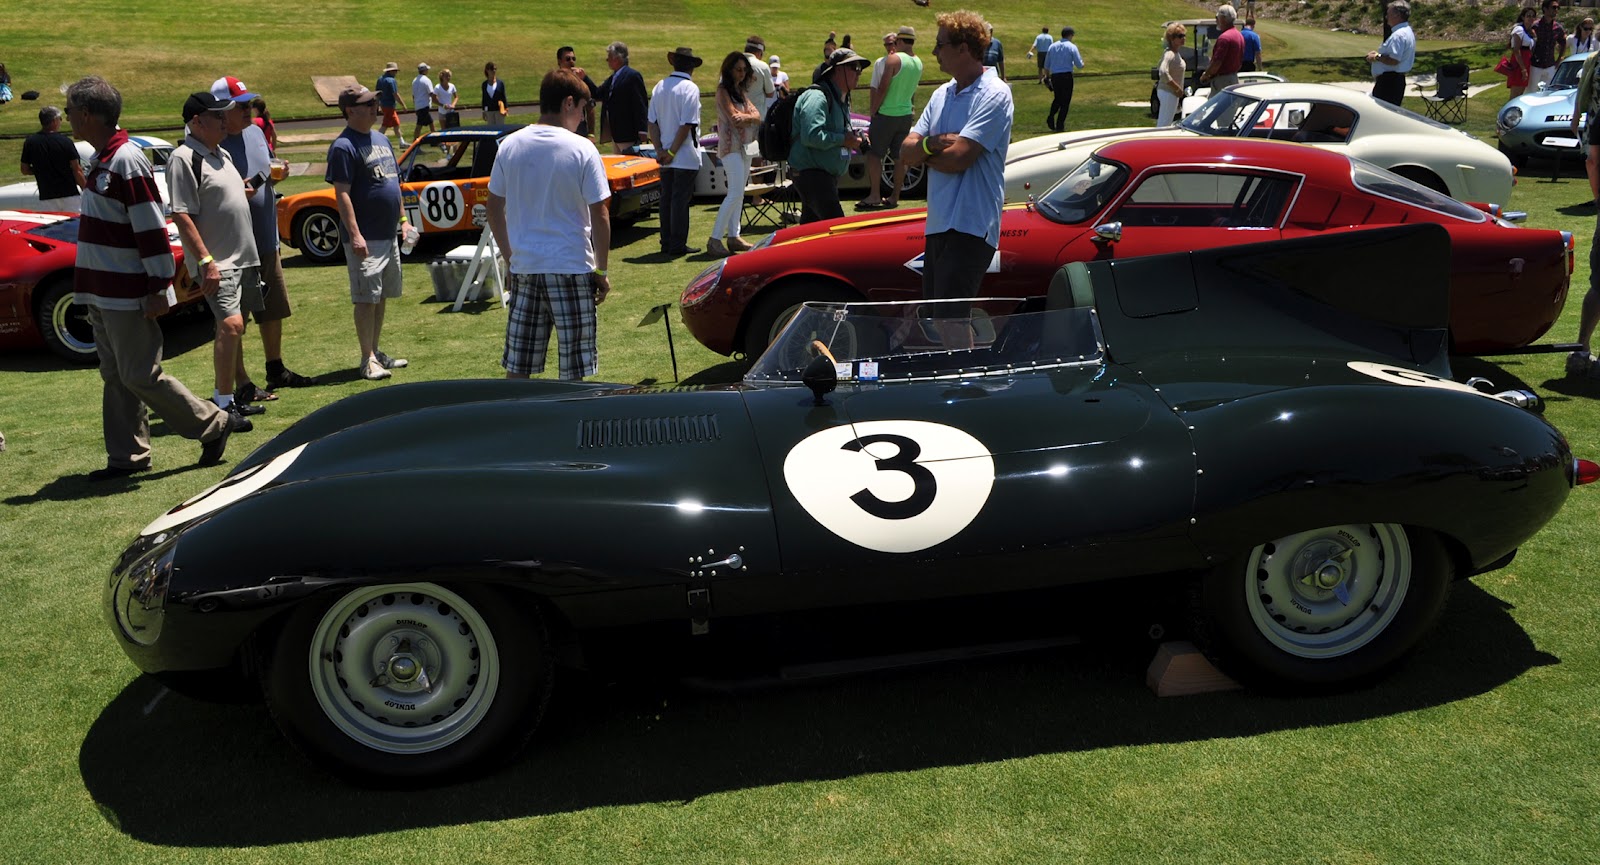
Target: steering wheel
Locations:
point(421, 172)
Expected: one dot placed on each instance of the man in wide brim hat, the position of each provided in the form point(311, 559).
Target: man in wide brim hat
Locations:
point(684, 55)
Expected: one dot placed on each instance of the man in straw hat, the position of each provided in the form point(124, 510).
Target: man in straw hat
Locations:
point(675, 129)
point(389, 102)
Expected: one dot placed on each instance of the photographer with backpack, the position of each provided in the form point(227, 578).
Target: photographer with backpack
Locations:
point(823, 137)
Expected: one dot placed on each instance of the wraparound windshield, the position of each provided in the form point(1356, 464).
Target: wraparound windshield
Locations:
point(1082, 194)
point(1375, 180)
point(1228, 114)
point(921, 340)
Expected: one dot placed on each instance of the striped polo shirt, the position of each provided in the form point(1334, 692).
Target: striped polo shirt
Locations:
point(123, 252)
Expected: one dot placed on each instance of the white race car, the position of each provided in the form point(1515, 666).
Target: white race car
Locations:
point(25, 195)
point(1433, 154)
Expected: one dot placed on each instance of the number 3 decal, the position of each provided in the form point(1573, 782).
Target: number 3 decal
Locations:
point(892, 486)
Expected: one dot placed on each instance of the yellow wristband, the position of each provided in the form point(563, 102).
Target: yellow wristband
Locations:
point(925, 147)
point(599, 271)
point(207, 260)
point(402, 220)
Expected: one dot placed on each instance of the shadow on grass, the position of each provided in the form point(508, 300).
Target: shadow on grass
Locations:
point(168, 770)
point(71, 488)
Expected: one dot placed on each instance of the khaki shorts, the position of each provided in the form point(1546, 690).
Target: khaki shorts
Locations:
point(239, 293)
point(378, 275)
point(274, 294)
point(886, 133)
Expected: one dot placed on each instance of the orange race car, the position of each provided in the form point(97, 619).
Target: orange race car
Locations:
point(445, 189)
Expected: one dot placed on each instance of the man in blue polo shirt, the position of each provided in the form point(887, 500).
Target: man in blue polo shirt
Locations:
point(962, 135)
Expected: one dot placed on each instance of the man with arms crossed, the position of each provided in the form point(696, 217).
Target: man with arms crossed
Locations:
point(366, 185)
point(548, 210)
point(123, 275)
point(1394, 57)
point(962, 136)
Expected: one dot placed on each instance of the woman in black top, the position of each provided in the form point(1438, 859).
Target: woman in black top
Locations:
point(494, 96)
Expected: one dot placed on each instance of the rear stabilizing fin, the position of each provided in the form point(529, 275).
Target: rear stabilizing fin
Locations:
point(1382, 294)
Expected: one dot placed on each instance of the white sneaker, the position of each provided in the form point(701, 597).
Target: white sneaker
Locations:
point(371, 370)
point(388, 362)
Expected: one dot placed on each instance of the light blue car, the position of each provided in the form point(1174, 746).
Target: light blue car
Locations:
point(1539, 122)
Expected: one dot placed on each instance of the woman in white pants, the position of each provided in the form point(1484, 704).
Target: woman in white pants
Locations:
point(1169, 83)
point(737, 121)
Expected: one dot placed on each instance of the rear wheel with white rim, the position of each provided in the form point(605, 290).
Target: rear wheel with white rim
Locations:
point(1326, 608)
point(409, 682)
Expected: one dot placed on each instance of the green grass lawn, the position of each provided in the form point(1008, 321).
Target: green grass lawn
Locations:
point(1480, 749)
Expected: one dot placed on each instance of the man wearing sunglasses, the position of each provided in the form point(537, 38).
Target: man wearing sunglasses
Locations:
point(212, 213)
point(366, 186)
point(962, 136)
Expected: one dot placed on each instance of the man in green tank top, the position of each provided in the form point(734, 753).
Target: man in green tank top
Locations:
point(891, 118)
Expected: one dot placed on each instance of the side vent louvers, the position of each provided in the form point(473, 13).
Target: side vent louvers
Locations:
point(648, 431)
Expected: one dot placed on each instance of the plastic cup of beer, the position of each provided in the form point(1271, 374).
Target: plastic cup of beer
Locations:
point(280, 169)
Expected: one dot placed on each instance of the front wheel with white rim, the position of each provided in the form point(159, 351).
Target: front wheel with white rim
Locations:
point(1325, 608)
point(409, 682)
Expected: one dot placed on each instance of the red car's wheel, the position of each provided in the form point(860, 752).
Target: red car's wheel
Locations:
point(64, 324)
point(774, 307)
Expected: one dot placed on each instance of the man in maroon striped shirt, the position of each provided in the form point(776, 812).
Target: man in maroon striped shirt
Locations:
point(124, 276)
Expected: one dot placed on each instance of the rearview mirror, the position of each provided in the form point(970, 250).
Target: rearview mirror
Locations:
point(1110, 232)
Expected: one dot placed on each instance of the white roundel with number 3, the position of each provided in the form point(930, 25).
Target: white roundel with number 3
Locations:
point(441, 206)
point(896, 486)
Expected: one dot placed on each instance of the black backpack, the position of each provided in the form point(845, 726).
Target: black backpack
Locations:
point(777, 130)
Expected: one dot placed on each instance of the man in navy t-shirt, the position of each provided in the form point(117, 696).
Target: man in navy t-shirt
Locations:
point(366, 185)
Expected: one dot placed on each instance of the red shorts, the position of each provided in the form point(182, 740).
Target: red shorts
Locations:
point(390, 118)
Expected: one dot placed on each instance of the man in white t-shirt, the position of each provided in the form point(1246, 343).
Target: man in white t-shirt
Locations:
point(548, 210)
point(422, 100)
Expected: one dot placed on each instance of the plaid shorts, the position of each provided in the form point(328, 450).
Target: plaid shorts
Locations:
point(539, 300)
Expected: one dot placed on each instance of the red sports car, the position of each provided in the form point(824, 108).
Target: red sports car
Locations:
point(37, 251)
point(1133, 198)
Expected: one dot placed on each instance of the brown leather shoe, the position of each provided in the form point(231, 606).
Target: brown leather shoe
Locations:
point(738, 244)
point(715, 249)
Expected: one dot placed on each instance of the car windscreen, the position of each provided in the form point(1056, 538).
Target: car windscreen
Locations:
point(1084, 192)
point(64, 231)
point(923, 340)
point(1227, 114)
point(1377, 181)
point(1567, 73)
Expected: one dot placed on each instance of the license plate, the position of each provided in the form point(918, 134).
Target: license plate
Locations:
point(650, 198)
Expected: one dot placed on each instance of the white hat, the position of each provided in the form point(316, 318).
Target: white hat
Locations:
point(423, 67)
point(774, 62)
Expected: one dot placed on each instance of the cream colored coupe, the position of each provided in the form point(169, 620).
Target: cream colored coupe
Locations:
point(1437, 156)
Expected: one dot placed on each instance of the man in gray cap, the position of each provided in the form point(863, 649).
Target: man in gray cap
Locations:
point(823, 136)
point(366, 186)
point(212, 213)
